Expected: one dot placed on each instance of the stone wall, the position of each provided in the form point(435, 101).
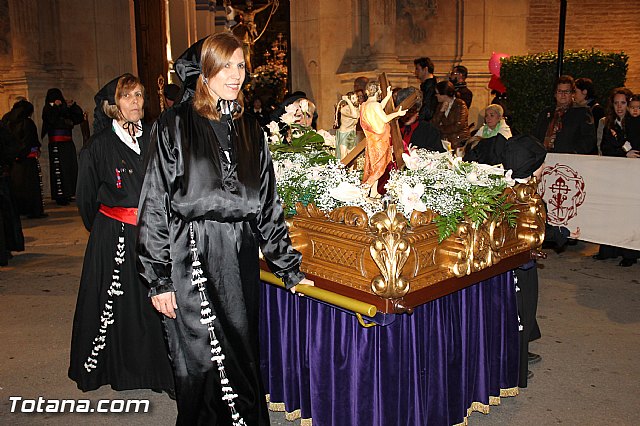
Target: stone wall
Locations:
point(335, 41)
point(611, 25)
point(75, 45)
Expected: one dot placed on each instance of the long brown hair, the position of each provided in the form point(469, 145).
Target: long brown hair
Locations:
point(216, 51)
point(611, 116)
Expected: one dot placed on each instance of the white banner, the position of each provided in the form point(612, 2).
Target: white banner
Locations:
point(600, 195)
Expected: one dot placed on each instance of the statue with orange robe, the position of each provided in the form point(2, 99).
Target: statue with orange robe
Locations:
point(375, 124)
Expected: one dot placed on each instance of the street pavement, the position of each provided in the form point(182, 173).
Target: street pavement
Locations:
point(588, 313)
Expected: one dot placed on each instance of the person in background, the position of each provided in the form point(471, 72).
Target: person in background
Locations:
point(632, 122)
point(423, 70)
point(26, 177)
point(615, 143)
point(615, 139)
point(117, 337)
point(208, 205)
point(494, 123)
point(360, 83)
point(11, 237)
point(171, 92)
point(458, 77)
point(451, 116)
point(585, 95)
point(58, 118)
point(566, 128)
point(259, 113)
point(415, 131)
point(490, 140)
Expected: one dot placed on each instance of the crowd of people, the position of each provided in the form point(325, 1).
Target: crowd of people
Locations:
point(177, 213)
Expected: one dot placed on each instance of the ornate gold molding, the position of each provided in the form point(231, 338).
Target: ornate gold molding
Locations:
point(389, 257)
point(389, 251)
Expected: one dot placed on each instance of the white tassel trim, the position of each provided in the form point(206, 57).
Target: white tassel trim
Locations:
point(206, 318)
point(106, 318)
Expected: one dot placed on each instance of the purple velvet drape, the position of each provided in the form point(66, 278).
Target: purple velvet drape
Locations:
point(422, 369)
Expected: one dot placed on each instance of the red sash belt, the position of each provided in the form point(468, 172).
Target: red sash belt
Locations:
point(59, 138)
point(123, 214)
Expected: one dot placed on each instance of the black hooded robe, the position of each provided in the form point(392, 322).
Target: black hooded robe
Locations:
point(58, 122)
point(26, 176)
point(134, 355)
point(232, 209)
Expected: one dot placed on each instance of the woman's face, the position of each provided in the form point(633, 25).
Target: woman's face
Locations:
point(491, 118)
point(580, 95)
point(634, 108)
point(131, 104)
point(620, 104)
point(227, 82)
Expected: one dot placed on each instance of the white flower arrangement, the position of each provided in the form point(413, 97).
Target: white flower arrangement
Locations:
point(321, 180)
point(440, 182)
point(449, 187)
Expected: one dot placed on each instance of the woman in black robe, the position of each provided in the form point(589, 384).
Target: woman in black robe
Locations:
point(117, 336)
point(58, 119)
point(26, 177)
point(208, 203)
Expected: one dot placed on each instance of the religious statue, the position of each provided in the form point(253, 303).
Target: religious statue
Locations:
point(375, 124)
point(346, 119)
point(245, 27)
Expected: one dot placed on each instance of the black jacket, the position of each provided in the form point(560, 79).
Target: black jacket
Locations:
point(577, 136)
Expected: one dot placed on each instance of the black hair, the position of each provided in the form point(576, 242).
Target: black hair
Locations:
point(425, 62)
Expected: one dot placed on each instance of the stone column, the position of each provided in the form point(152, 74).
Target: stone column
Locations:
point(23, 16)
point(382, 34)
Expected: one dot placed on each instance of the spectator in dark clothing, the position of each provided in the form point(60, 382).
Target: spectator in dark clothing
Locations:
point(565, 127)
point(26, 179)
point(458, 77)
point(261, 115)
point(585, 95)
point(633, 122)
point(615, 138)
point(616, 143)
point(416, 131)
point(171, 92)
point(11, 237)
point(424, 72)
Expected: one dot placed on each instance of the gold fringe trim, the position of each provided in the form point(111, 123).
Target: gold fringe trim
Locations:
point(290, 416)
point(475, 406)
point(484, 408)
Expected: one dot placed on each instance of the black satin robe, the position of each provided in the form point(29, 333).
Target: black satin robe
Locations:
point(234, 209)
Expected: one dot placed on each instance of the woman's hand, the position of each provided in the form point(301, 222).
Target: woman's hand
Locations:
point(165, 303)
point(633, 153)
point(304, 281)
point(575, 234)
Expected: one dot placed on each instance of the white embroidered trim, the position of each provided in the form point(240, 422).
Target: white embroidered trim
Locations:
point(515, 282)
point(206, 318)
point(106, 318)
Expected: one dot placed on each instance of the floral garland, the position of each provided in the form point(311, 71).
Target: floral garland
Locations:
point(440, 182)
point(452, 188)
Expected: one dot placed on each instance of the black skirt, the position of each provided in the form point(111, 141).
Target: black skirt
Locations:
point(133, 354)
